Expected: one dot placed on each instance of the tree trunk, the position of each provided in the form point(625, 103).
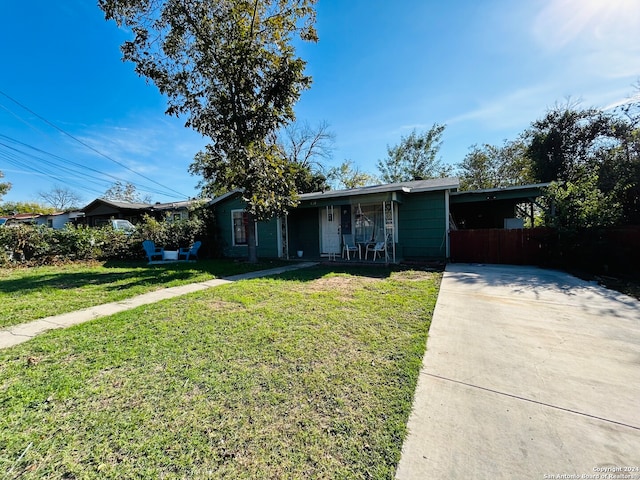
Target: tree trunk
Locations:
point(251, 239)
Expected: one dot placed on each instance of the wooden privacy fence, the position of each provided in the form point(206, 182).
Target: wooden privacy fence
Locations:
point(515, 247)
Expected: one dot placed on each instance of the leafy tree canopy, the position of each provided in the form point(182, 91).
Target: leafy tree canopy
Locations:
point(567, 142)
point(12, 208)
point(593, 158)
point(415, 157)
point(230, 67)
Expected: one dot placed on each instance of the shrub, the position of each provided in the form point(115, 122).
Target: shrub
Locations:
point(41, 244)
point(171, 235)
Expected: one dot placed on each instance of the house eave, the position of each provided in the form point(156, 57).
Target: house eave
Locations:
point(416, 186)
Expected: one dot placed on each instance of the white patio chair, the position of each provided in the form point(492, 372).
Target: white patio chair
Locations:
point(348, 245)
point(378, 247)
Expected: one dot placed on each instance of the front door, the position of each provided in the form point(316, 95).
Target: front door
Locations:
point(330, 225)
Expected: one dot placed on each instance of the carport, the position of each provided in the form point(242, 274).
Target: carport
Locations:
point(488, 226)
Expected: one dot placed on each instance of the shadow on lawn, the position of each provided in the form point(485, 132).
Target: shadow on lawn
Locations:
point(71, 280)
point(119, 275)
point(132, 274)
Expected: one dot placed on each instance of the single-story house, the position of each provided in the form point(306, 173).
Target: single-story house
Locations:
point(411, 219)
point(56, 220)
point(101, 211)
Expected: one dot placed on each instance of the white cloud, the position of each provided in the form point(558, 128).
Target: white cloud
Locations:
point(590, 23)
point(591, 38)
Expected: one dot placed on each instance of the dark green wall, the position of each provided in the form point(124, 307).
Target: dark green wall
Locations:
point(422, 226)
point(304, 232)
point(267, 232)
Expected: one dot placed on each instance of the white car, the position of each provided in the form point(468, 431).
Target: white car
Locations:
point(123, 225)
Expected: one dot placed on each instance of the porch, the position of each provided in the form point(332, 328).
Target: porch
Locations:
point(366, 231)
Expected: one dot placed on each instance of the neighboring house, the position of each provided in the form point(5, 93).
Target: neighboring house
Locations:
point(58, 220)
point(55, 220)
point(99, 212)
point(173, 211)
point(411, 218)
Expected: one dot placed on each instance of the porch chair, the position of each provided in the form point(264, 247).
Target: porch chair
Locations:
point(151, 250)
point(378, 247)
point(189, 252)
point(348, 245)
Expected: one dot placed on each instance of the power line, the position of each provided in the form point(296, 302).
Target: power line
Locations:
point(15, 157)
point(13, 160)
point(182, 195)
point(65, 161)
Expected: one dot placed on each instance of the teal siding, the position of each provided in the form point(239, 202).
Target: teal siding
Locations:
point(304, 232)
point(422, 226)
point(267, 232)
point(421, 221)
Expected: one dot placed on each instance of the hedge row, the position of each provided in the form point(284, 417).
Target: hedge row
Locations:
point(41, 245)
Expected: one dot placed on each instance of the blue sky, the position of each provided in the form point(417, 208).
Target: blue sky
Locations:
point(486, 69)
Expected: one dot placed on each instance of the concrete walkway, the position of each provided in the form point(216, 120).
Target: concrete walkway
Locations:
point(17, 334)
point(528, 373)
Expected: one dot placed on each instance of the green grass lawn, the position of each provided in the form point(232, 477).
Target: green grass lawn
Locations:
point(307, 375)
point(31, 293)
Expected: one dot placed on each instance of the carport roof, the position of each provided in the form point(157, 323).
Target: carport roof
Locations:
point(518, 192)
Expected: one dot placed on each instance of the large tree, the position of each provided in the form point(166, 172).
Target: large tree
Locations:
point(61, 198)
point(592, 159)
point(415, 157)
point(231, 68)
point(567, 142)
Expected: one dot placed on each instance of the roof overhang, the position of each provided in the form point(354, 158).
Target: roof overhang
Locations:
point(416, 186)
point(516, 193)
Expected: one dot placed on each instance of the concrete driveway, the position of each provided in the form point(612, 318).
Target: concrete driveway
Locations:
point(529, 373)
